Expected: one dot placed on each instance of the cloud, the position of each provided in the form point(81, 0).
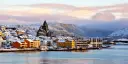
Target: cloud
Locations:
point(62, 13)
point(104, 16)
point(50, 9)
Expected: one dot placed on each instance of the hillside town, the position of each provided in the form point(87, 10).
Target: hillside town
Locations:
point(16, 39)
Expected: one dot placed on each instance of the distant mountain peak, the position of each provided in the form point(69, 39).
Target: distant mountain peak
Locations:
point(120, 33)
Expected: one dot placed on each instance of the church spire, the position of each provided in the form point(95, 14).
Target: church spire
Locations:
point(43, 30)
point(45, 26)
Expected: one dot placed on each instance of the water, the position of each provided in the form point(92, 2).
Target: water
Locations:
point(118, 54)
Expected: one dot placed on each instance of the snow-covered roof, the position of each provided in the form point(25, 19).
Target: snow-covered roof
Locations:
point(23, 36)
point(31, 37)
point(21, 30)
point(13, 39)
point(61, 40)
point(19, 41)
point(30, 40)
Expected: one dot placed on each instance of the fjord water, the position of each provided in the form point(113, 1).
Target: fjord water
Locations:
point(117, 54)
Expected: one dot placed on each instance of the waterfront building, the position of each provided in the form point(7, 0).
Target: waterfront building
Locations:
point(96, 42)
point(45, 40)
point(1, 33)
point(29, 43)
point(36, 43)
point(1, 41)
point(81, 44)
point(65, 43)
point(26, 43)
point(32, 43)
point(16, 44)
point(19, 44)
point(23, 44)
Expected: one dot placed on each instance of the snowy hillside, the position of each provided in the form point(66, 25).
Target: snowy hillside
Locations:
point(66, 29)
point(120, 33)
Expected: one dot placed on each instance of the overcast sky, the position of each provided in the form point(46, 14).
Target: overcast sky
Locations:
point(22, 11)
point(68, 2)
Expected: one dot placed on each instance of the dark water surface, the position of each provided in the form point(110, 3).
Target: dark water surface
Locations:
point(118, 54)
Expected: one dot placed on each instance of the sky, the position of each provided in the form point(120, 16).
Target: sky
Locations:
point(64, 11)
point(68, 2)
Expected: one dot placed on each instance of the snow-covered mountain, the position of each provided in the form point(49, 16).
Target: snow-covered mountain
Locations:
point(71, 29)
point(67, 29)
point(120, 33)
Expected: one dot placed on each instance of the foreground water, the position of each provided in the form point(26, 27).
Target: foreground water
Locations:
point(117, 54)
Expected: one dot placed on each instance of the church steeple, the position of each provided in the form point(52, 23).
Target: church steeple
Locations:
point(43, 30)
point(45, 26)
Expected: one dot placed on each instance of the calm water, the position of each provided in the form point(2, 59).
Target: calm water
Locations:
point(118, 54)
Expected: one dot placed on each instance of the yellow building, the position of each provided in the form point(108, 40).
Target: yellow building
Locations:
point(36, 43)
point(32, 43)
point(73, 44)
point(1, 40)
point(66, 43)
point(23, 45)
point(1, 34)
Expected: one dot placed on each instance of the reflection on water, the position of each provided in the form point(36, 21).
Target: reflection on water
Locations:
point(115, 55)
point(79, 51)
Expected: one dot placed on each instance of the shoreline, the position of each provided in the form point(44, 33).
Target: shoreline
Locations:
point(36, 49)
point(18, 50)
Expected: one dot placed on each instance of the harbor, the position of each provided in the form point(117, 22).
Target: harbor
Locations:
point(102, 56)
point(63, 31)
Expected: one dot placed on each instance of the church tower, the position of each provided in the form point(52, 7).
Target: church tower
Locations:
point(43, 30)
